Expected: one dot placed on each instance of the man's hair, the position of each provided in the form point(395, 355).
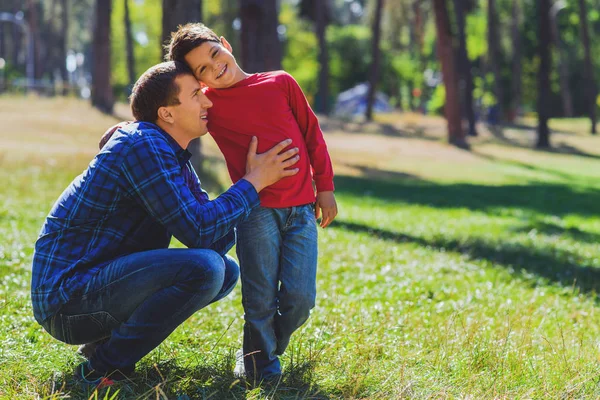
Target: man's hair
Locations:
point(156, 88)
point(187, 38)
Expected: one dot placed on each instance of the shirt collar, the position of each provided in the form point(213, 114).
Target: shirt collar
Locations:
point(183, 155)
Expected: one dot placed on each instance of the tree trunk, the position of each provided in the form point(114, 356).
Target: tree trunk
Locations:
point(374, 73)
point(516, 85)
point(544, 74)
point(261, 50)
point(62, 44)
point(563, 68)
point(588, 67)
point(175, 13)
point(102, 94)
point(494, 57)
point(321, 13)
point(466, 77)
point(445, 52)
point(129, 44)
point(178, 12)
point(34, 31)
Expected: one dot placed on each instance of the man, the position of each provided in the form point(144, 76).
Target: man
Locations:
point(102, 270)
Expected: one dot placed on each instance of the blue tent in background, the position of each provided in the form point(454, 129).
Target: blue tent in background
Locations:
point(353, 102)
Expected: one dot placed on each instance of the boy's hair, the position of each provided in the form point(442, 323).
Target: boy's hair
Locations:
point(156, 88)
point(187, 38)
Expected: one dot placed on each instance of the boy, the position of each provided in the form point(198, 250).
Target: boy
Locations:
point(277, 244)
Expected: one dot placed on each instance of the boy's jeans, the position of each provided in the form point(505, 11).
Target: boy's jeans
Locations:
point(277, 249)
point(139, 299)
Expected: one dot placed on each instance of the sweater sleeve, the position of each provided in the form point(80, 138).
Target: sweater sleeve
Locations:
point(313, 136)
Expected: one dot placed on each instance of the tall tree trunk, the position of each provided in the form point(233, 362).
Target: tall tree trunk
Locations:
point(516, 85)
point(175, 13)
point(34, 31)
point(129, 44)
point(102, 93)
point(374, 73)
point(466, 77)
point(563, 67)
point(588, 67)
point(261, 50)
point(544, 74)
point(321, 15)
point(494, 56)
point(178, 12)
point(62, 45)
point(445, 52)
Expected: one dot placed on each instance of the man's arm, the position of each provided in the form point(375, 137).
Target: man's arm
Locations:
point(152, 176)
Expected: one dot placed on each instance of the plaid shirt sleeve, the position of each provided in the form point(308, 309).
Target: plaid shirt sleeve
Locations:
point(153, 178)
point(223, 245)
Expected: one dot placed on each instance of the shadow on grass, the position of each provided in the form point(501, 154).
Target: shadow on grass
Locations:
point(544, 198)
point(168, 380)
point(554, 266)
point(376, 128)
point(550, 229)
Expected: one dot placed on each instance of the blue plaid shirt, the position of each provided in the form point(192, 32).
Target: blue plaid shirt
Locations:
point(138, 191)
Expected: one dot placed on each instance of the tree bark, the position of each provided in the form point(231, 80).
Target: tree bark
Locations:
point(494, 57)
point(588, 67)
point(466, 77)
point(62, 46)
point(445, 52)
point(261, 50)
point(374, 73)
point(563, 67)
point(129, 44)
point(34, 31)
point(178, 12)
point(102, 93)
point(516, 84)
point(544, 74)
point(321, 13)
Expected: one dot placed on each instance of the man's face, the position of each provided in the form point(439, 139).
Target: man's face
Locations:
point(214, 65)
point(191, 114)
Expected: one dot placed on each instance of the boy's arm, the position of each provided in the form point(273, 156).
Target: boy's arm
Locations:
point(317, 152)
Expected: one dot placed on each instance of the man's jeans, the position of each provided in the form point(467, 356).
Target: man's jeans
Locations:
point(138, 300)
point(277, 249)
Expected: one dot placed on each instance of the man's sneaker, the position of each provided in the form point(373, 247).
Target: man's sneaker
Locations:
point(87, 350)
point(89, 376)
point(239, 371)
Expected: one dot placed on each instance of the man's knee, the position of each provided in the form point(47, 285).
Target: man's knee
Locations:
point(205, 266)
point(232, 273)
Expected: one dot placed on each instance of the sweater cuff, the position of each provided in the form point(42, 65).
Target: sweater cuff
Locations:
point(248, 192)
point(324, 184)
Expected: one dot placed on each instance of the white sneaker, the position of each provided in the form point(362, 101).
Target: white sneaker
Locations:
point(239, 371)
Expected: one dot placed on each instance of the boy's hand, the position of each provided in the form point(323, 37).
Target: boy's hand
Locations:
point(326, 206)
point(109, 132)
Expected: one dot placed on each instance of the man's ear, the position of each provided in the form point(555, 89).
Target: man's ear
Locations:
point(226, 44)
point(202, 85)
point(165, 115)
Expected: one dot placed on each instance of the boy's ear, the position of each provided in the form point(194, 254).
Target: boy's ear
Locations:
point(226, 44)
point(165, 115)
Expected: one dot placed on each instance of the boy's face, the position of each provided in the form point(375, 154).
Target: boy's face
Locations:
point(214, 65)
point(190, 115)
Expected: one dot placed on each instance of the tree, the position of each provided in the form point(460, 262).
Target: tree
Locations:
point(445, 52)
point(544, 74)
point(178, 12)
point(466, 77)
point(517, 57)
point(563, 67)
point(494, 56)
point(175, 13)
point(261, 50)
point(318, 11)
point(588, 67)
point(374, 73)
point(62, 45)
point(129, 44)
point(102, 93)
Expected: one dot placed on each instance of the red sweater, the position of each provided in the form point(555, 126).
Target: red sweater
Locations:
point(272, 107)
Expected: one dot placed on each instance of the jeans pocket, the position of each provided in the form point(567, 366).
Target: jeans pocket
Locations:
point(87, 328)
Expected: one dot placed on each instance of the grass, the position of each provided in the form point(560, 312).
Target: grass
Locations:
point(448, 274)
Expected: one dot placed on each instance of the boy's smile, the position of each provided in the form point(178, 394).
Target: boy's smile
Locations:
point(214, 65)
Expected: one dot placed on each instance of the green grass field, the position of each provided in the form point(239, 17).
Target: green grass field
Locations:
point(448, 273)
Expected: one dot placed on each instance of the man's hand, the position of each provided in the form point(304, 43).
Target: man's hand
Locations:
point(109, 132)
point(267, 168)
point(327, 207)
